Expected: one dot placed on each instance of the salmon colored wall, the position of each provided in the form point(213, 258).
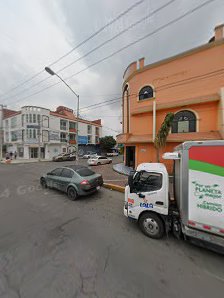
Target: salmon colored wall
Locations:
point(207, 115)
point(141, 124)
point(176, 71)
point(180, 69)
point(147, 153)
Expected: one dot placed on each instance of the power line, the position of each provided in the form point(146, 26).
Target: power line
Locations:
point(142, 19)
point(79, 45)
point(125, 47)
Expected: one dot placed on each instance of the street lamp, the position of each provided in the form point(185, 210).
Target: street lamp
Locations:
point(52, 73)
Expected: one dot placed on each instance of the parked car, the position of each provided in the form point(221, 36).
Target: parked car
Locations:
point(65, 157)
point(112, 153)
point(87, 156)
point(75, 180)
point(99, 160)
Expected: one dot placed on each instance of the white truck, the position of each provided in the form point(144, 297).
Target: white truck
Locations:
point(194, 207)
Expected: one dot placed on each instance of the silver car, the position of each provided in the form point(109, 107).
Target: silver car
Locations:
point(75, 180)
point(99, 160)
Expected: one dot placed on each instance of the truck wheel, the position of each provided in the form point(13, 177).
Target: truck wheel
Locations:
point(72, 194)
point(151, 225)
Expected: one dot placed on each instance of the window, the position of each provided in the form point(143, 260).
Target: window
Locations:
point(146, 92)
point(30, 118)
point(89, 129)
point(27, 118)
point(7, 137)
point(102, 157)
point(89, 139)
point(13, 122)
point(84, 172)
point(38, 118)
point(66, 173)
point(13, 136)
point(56, 172)
point(63, 137)
point(184, 121)
point(34, 134)
point(45, 121)
point(97, 131)
point(34, 118)
point(23, 131)
point(145, 181)
point(6, 123)
point(63, 124)
point(45, 136)
point(72, 125)
point(23, 116)
point(96, 140)
point(30, 133)
point(72, 137)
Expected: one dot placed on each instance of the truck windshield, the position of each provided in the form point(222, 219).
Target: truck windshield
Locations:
point(148, 181)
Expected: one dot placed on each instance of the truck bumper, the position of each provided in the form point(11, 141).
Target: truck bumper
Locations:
point(203, 236)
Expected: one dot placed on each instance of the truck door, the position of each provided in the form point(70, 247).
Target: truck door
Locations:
point(149, 192)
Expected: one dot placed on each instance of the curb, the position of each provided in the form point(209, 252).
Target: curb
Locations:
point(121, 173)
point(114, 187)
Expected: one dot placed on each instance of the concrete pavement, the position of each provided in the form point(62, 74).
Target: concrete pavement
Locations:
point(51, 247)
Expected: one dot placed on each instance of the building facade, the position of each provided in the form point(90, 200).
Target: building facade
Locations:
point(190, 85)
point(53, 131)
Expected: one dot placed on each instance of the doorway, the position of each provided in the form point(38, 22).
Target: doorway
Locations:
point(130, 156)
point(33, 152)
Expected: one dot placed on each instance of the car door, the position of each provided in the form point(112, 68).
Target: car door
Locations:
point(148, 192)
point(52, 178)
point(65, 179)
point(103, 160)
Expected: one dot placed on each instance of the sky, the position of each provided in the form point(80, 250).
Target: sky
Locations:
point(35, 33)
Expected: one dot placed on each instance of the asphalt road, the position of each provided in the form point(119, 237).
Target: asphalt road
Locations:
point(51, 247)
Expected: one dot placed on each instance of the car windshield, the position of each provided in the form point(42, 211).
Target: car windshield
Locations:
point(84, 172)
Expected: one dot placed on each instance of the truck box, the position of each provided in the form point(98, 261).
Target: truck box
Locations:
point(199, 185)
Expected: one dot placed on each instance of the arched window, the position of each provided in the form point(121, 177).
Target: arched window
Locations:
point(146, 92)
point(184, 121)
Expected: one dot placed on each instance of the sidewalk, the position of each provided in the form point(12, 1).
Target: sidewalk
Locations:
point(122, 169)
point(22, 161)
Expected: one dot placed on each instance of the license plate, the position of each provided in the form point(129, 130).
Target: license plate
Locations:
point(98, 187)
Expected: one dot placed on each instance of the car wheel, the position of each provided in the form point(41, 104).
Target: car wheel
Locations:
point(152, 225)
point(43, 183)
point(72, 194)
point(110, 161)
point(98, 163)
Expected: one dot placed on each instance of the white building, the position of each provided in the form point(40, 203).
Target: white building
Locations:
point(54, 132)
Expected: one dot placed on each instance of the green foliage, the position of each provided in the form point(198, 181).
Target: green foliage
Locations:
point(160, 140)
point(107, 143)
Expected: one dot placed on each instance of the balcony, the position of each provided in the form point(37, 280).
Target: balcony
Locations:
point(72, 142)
point(72, 130)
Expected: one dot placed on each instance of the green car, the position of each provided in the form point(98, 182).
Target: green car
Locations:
point(75, 180)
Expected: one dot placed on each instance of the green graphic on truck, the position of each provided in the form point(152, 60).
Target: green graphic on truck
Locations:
point(206, 185)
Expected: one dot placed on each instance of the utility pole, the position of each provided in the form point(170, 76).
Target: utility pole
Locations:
point(51, 72)
point(1, 129)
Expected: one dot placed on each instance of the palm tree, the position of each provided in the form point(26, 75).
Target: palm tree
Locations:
point(160, 140)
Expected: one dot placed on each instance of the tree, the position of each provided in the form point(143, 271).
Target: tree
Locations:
point(160, 140)
point(107, 143)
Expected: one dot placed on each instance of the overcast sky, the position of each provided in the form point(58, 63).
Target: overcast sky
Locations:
point(34, 33)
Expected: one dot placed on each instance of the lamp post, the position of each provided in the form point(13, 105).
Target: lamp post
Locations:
point(51, 72)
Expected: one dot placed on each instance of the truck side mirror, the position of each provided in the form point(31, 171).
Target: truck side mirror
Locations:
point(130, 180)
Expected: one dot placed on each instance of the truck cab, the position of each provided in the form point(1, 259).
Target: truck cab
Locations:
point(147, 198)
